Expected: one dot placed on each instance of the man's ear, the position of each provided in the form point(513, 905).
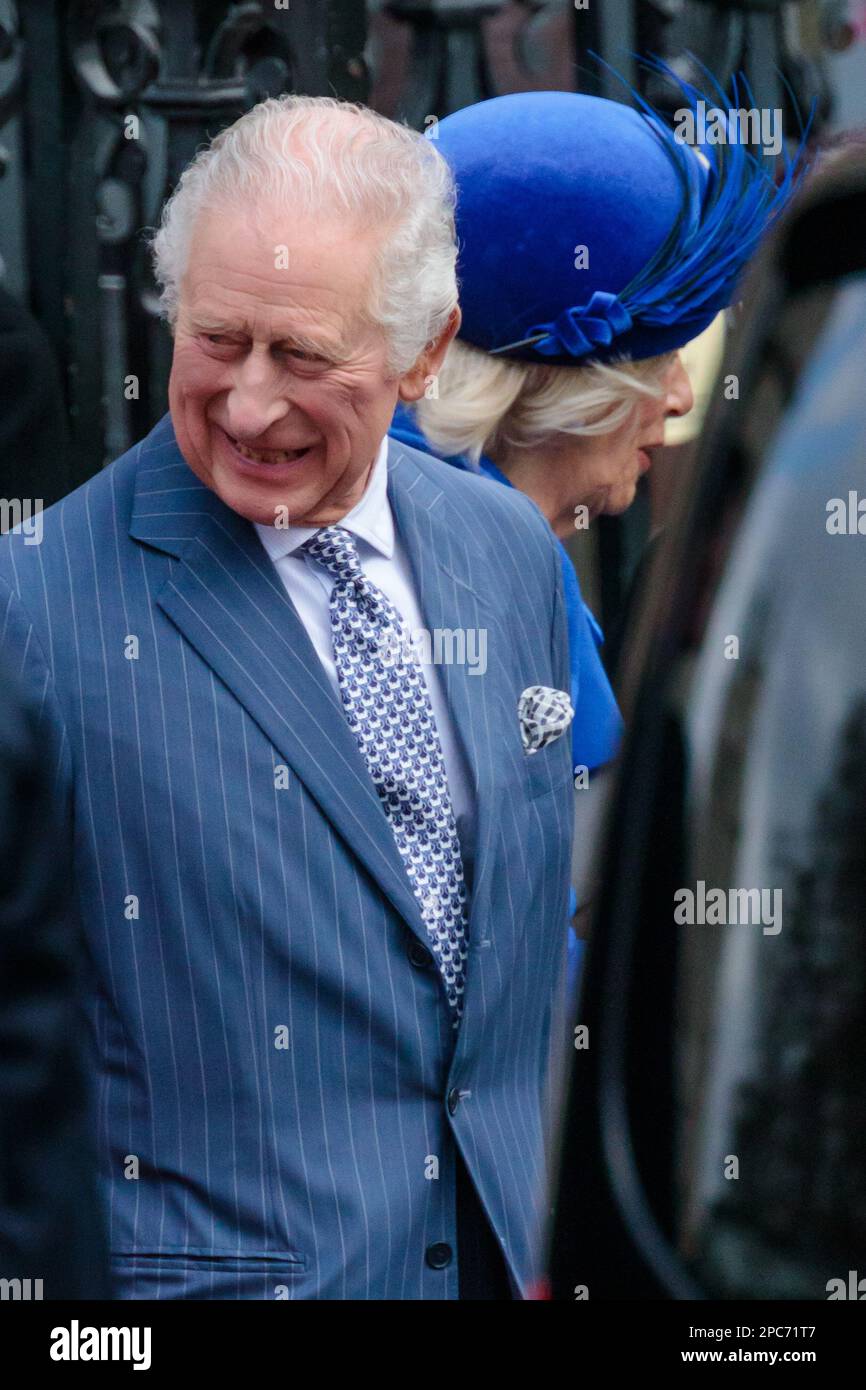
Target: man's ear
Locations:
point(413, 383)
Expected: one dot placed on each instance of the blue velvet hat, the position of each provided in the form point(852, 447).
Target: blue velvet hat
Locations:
point(587, 231)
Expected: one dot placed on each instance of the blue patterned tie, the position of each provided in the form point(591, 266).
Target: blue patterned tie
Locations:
point(389, 711)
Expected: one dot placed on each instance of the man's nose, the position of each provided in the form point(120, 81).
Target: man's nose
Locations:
point(256, 399)
point(679, 396)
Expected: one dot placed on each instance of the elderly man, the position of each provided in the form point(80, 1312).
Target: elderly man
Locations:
point(324, 882)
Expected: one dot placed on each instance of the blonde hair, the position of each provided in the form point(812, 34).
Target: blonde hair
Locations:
point(488, 405)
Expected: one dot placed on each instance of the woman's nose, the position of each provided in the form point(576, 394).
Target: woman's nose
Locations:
point(679, 397)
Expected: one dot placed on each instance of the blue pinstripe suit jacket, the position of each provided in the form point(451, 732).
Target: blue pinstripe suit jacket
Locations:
point(271, 1065)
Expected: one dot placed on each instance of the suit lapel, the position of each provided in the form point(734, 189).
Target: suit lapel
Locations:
point(227, 599)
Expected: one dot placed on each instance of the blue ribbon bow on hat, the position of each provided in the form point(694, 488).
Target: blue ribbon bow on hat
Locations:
point(578, 331)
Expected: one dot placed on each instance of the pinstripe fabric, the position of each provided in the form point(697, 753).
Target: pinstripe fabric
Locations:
point(271, 1068)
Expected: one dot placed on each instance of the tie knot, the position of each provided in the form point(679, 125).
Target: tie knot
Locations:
point(335, 548)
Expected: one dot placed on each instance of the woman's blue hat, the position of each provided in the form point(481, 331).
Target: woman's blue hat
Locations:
point(587, 230)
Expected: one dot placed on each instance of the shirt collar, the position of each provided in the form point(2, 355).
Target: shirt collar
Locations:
point(370, 519)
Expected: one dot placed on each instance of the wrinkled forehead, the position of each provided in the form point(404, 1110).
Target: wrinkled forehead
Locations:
point(275, 272)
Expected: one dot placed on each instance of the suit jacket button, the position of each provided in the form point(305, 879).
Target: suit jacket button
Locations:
point(453, 1100)
point(419, 955)
point(438, 1256)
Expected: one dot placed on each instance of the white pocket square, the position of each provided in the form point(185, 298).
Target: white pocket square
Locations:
point(544, 715)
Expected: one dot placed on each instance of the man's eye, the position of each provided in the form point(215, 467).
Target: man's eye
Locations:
point(219, 339)
point(301, 356)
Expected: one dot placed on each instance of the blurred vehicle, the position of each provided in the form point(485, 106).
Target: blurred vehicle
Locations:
point(713, 1140)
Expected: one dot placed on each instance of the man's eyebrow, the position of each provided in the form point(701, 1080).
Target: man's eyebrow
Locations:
point(335, 351)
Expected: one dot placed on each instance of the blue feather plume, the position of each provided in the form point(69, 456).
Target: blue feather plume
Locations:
point(699, 263)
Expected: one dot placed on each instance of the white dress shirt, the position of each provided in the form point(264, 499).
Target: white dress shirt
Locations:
point(386, 564)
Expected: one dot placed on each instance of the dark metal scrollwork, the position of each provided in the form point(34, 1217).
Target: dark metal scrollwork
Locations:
point(449, 66)
point(123, 94)
point(11, 60)
point(114, 48)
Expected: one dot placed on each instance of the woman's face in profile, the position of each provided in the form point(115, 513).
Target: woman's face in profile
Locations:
point(600, 472)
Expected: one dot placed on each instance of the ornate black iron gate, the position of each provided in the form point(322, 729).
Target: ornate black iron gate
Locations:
point(106, 101)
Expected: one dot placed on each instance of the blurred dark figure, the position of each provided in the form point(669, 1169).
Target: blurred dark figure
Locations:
point(34, 457)
point(50, 1225)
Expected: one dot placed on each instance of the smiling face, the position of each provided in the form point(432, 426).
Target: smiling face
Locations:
point(280, 393)
point(599, 472)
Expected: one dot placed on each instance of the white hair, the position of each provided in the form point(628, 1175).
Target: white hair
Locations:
point(328, 157)
point(487, 404)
